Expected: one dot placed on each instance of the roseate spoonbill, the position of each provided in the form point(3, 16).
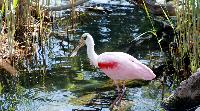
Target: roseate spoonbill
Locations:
point(116, 65)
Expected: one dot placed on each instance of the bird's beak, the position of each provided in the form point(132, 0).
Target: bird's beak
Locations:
point(81, 44)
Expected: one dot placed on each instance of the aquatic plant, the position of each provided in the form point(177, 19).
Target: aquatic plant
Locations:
point(185, 49)
point(188, 33)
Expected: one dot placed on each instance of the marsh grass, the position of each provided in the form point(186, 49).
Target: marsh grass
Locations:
point(187, 34)
point(188, 29)
point(185, 49)
point(22, 18)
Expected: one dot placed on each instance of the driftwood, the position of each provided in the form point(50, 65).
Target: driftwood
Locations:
point(186, 96)
point(5, 64)
point(64, 7)
point(157, 9)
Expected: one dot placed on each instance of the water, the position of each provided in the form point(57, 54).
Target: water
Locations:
point(61, 83)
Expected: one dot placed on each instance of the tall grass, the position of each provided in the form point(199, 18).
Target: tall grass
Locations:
point(9, 21)
point(188, 28)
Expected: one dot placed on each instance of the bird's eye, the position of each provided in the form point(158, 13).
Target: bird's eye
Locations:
point(85, 37)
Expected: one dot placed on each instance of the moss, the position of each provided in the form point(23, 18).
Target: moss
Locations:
point(85, 99)
point(124, 106)
point(95, 85)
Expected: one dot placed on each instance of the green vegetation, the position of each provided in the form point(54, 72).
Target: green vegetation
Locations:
point(185, 50)
point(188, 29)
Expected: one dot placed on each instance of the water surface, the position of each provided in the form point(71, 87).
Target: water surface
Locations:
point(61, 83)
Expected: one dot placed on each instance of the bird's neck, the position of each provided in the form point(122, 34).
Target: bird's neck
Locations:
point(92, 55)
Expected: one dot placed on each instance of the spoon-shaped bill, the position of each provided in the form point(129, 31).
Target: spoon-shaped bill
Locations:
point(75, 51)
point(81, 44)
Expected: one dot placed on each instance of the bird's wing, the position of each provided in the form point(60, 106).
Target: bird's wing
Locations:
point(124, 65)
point(110, 59)
point(110, 56)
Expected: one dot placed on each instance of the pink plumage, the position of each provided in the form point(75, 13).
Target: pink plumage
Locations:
point(116, 65)
point(122, 66)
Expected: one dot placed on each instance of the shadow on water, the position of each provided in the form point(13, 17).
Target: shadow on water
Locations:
point(66, 83)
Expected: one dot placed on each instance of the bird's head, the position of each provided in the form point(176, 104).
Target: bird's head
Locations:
point(87, 39)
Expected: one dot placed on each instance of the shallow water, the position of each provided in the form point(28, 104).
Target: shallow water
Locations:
point(61, 83)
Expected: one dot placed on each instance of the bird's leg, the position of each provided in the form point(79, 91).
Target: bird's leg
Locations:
point(117, 85)
point(123, 88)
point(117, 98)
point(122, 94)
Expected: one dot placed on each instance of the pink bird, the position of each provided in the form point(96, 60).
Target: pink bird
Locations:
point(116, 65)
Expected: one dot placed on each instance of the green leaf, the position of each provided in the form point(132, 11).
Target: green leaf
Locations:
point(3, 6)
point(15, 2)
point(79, 76)
point(1, 88)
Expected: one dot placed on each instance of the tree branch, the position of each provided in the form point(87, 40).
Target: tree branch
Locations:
point(64, 7)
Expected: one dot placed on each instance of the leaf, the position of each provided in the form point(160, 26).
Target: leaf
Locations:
point(3, 6)
point(79, 76)
point(1, 88)
point(71, 87)
point(15, 2)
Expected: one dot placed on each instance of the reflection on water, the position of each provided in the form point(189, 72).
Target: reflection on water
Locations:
point(71, 83)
